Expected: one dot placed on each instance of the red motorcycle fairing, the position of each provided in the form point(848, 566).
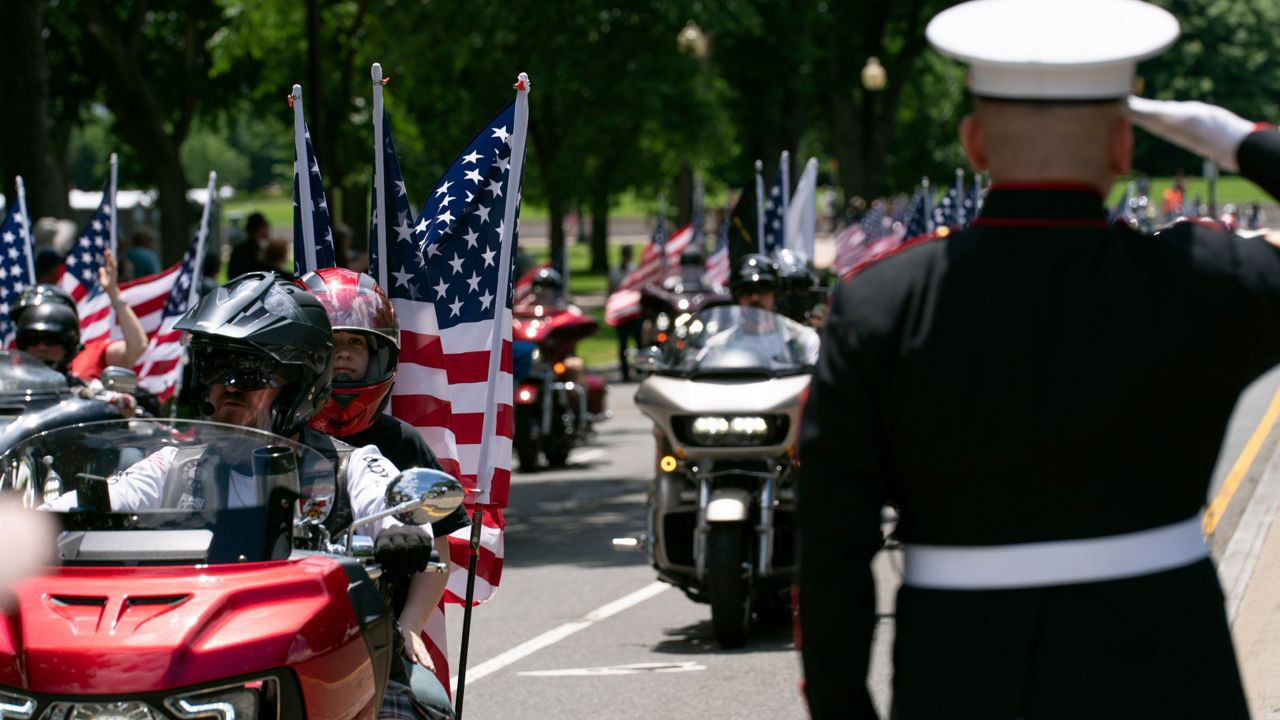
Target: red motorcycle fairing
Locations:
point(555, 330)
point(94, 631)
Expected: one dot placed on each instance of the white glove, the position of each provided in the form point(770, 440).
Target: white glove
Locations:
point(1207, 130)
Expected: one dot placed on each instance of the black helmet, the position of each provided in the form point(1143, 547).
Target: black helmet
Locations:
point(754, 269)
point(693, 255)
point(548, 277)
point(39, 294)
point(793, 272)
point(50, 318)
point(260, 329)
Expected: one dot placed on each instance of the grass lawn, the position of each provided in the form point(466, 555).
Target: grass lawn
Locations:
point(1231, 189)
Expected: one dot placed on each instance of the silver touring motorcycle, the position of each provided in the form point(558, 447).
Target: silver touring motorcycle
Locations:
point(724, 396)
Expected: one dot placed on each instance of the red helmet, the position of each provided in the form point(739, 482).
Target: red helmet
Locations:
point(356, 304)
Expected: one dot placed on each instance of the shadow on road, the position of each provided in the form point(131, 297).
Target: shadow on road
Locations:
point(697, 639)
point(573, 522)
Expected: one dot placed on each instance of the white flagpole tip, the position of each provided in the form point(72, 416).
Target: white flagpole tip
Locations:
point(522, 82)
point(297, 91)
point(376, 72)
point(759, 166)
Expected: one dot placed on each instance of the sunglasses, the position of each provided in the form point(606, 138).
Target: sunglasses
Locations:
point(754, 289)
point(245, 374)
point(26, 340)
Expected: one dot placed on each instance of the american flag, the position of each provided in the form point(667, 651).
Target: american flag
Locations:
point(16, 273)
point(400, 222)
point(160, 366)
point(443, 282)
point(775, 220)
point(79, 272)
point(658, 261)
point(718, 263)
point(869, 238)
point(319, 215)
point(945, 212)
point(916, 219)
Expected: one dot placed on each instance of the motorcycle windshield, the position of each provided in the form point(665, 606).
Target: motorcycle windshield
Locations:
point(735, 340)
point(170, 492)
point(23, 375)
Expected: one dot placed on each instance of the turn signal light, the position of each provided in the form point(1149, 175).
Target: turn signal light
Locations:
point(558, 368)
point(662, 338)
point(667, 463)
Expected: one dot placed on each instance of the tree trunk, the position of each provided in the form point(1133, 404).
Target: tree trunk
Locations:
point(143, 126)
point(684, 196)
point(557, 211)
point(599, 228)
point(25, 129)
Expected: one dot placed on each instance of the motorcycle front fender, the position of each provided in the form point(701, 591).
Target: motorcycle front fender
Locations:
point(728, 505)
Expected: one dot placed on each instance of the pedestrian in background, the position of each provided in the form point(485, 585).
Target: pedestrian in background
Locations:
point(629, 330)
point(998, 386)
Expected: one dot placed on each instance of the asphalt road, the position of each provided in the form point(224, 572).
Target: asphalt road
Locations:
point(580, 630)
point(652, 655)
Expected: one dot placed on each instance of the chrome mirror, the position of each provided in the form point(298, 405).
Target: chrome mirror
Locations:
point(119, 379)
point(429, 494)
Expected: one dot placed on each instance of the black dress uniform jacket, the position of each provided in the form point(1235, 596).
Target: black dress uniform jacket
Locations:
point(1043, 375)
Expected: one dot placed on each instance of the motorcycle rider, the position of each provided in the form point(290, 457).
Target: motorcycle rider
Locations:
point(261, 349)
point(754, 283)
point(49, 331)
point(366, 341)
point(547, 292)
point(796, 286)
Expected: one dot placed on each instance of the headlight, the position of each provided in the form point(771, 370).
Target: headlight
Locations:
point(742, 430)
point(129, 710)
point(242, 701)
point(18, 707)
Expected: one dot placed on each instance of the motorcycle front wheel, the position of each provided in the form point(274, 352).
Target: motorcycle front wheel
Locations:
point(728, 584)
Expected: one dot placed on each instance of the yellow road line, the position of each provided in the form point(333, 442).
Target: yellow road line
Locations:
point(1241, 467)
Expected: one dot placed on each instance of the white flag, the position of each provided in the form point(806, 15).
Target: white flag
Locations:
point(802, 220)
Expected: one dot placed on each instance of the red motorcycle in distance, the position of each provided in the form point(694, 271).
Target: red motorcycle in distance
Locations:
point(192, 603)
point(556, 402)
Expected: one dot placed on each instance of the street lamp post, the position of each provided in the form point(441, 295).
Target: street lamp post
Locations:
point(874, 76)
point(692, 40)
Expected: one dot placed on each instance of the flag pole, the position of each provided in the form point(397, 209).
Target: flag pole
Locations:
point(662, 231)
point(197, 263)
point(26, 229)
point(759, 207)
point(115, 185)
point(379, 175)
point(959, 210)
point(302, 172)
point(484, 473)
point(785, 165)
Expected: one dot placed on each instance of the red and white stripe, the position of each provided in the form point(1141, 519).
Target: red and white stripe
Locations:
point(624, 303)
point(440, 388)
point(718, 267)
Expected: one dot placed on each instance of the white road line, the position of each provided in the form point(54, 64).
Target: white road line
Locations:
point(555, 635)
point(589, 455)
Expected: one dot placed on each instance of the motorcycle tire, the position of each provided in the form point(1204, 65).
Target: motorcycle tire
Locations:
point(728, 585)
point(522, 440)
point(557, 451)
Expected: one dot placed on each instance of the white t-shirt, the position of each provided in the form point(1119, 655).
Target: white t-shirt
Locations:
point(141, 487)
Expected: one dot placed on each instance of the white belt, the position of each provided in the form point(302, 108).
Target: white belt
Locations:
point(1063, 562)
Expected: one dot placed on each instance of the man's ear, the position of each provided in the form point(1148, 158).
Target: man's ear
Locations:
point(1121, 152)
point(975, 150)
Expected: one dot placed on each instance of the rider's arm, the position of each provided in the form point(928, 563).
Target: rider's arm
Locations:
point(139, 487)
point(425, 591)
point(121, 353)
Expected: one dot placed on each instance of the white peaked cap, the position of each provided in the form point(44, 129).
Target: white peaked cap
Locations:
point(1052, 49)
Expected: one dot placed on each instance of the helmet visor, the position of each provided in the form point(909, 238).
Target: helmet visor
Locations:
point(243, 372)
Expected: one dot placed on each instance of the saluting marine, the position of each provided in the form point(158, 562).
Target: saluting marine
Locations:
point(1042, 396)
